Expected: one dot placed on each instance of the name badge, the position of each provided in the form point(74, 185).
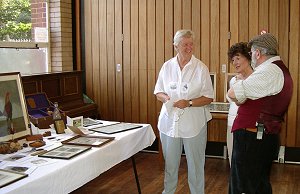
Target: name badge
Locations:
point(184, 87)
point(173, 85)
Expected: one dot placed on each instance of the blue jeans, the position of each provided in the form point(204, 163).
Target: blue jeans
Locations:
point(251, 162)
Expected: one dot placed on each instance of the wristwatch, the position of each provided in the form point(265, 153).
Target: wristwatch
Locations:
point(191, 103)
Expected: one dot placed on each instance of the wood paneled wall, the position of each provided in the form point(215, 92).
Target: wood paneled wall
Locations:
point(137, 34)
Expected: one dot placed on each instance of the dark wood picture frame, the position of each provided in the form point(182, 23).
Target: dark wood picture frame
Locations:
point(116, 128)
point(86, 140)
point(65, 152)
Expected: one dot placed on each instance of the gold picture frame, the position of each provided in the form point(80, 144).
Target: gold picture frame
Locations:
point(14, 121)
point(59, 126)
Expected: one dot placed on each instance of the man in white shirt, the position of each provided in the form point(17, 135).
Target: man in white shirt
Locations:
point(264, 98)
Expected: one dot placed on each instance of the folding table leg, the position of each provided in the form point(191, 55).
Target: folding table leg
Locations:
point(136, 175)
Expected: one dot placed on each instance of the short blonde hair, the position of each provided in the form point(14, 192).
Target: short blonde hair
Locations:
point(182, 33)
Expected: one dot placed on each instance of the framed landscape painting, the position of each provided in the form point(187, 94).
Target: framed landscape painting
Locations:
point(14, 122)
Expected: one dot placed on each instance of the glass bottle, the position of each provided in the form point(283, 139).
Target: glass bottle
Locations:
point(56, 114)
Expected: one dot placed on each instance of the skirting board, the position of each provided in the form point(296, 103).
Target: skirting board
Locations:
point(292, 155)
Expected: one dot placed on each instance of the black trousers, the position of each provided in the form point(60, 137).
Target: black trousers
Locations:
point(251, 162)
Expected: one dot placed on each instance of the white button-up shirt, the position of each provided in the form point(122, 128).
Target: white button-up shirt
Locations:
point(191, 82)
point(266, 80)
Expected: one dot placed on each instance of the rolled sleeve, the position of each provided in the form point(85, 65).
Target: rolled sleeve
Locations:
point(239, 91)
point(159, 86)
point(266, 80)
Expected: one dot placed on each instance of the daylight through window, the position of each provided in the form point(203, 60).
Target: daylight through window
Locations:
point(24, 36)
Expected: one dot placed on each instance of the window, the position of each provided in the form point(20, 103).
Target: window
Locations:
point(24, 36)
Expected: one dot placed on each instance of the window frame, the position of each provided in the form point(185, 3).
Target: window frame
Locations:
point(33, 45)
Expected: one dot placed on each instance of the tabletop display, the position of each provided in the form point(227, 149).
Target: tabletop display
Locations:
point(30, 169)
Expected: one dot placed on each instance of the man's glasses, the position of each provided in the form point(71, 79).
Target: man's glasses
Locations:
point(250, 53)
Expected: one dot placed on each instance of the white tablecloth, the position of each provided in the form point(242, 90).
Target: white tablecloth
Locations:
point(64, 176)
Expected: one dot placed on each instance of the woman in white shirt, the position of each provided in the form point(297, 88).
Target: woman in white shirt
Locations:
point(241, 60)
point(184, 86)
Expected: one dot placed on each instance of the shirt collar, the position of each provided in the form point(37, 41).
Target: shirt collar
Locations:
point(271, 60)
point(190, 62)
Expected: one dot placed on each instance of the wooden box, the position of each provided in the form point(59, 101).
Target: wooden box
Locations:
point(40, 110)
point(62, 87)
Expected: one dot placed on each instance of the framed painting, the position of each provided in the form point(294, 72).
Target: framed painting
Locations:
point(213, 77)
point(228, 77)
point(65, 151)
point(14, 122)
point(94, 141)
point(77, 121)
point(219, 107)
point(7, 177)
point(59, 126)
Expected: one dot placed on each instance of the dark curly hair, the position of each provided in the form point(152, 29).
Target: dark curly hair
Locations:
point(239, 48)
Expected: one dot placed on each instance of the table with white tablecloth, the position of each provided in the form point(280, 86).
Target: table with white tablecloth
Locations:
point(65, 176)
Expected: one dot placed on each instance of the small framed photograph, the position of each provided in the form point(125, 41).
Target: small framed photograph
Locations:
point(213, 77)
point(228, 77)
point(14, 120)
point(65, 152)
point(59, 126)
point(76, 121)
point(7, 177)
point(219, 107)
point(95, 141)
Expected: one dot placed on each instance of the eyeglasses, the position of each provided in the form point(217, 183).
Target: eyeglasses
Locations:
point(250, 53)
